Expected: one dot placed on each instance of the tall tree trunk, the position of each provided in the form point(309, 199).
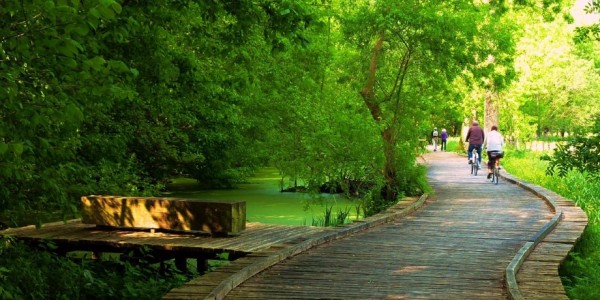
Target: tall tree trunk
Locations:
point(388, 135)
point(389, 168)
point(368, 91)
point(491, 110)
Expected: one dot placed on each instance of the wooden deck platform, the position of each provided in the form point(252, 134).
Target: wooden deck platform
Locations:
point(74, 235)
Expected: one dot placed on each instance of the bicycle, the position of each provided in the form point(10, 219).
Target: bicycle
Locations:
point(475, 165)
point(495, 159)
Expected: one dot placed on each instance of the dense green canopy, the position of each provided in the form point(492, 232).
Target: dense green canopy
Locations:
point(118, 97)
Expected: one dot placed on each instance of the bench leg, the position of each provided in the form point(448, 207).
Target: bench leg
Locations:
point(181, 263)
point(201, 264)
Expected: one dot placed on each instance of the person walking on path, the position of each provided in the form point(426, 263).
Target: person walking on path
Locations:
point(475, 137)
point(493, 143)
point(434, 138)
point(444, 137)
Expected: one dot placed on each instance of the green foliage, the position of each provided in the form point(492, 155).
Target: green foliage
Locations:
point(118, 97)
point(406, 61)
point(35, 273)
point(581, 152)
point(455, 146)
point(588, 32)
point(574, 185)
point(49, 71)
point(412, 181)
point(536, 104)
point(330, 219)
point(373, 203)
point(89, 109)
point(580, 271)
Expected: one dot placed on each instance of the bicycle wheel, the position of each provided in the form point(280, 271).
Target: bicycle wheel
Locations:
point(495, 175)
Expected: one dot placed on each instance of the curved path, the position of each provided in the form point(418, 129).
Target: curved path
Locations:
point(472, 240)
point(456, 247)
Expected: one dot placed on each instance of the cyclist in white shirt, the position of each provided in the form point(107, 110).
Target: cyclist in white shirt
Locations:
point(493, 143)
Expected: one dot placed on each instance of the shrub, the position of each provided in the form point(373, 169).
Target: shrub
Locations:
point(582, 153)
point(37, 273)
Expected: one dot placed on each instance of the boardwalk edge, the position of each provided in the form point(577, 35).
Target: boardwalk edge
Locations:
point(246, 273)
point(512, 269)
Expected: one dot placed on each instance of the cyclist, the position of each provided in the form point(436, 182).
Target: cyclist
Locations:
point(493, 143)
point(475, 137)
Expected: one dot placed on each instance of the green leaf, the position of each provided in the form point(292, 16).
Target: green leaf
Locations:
point(44, 143)
point(75, 44)
point(116, 7)
point(94, 13)
point(97, 63)
point(73, 113)
point(75, 3)
point(17, 148)
point(49, 5)
point(3, 148)
point(81, 30)
point(70, 62)
point(106, 12)
point(118, 65)
point(6, 172)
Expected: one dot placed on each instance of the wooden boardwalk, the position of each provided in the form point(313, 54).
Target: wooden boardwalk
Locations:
point(459, 246)
point(468, 240)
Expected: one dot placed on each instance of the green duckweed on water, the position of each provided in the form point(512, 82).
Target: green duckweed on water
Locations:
point(264, 201)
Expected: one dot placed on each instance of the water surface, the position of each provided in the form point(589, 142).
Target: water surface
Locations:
point(264, 201)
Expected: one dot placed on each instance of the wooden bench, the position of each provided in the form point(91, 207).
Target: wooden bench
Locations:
point(173, 214)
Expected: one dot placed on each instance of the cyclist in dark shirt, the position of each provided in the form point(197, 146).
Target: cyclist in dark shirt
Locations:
point(475, 137)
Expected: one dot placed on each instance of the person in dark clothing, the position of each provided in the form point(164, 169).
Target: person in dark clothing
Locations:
point(444, 137)
point(475, 137)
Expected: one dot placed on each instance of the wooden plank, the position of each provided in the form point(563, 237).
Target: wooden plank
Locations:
point(165, 213)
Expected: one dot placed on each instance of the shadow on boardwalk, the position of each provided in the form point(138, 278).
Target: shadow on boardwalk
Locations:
point(457, 246)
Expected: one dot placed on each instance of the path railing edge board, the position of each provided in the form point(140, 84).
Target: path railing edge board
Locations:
point(269, 258)
point(514, 266)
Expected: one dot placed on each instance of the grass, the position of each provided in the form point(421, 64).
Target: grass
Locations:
point(329, 219)
point(581, 270)
point(453, 145)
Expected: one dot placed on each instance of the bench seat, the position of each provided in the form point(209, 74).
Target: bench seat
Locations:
point(176, 214)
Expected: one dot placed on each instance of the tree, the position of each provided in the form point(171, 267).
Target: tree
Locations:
point(110, 97)
point(549, 105)
point(415, 51)
point(51, 70)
